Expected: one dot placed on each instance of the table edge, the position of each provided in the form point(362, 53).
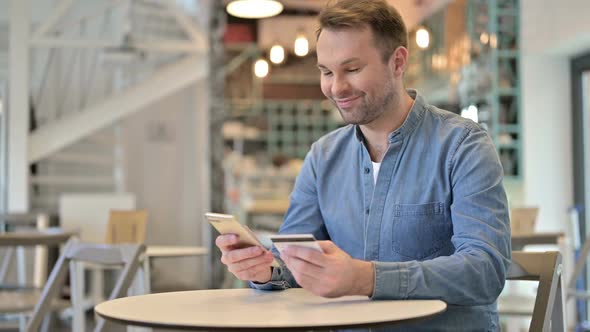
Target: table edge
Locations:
point(273, 328)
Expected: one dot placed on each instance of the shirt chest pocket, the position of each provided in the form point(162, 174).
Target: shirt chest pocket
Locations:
point(420, 230)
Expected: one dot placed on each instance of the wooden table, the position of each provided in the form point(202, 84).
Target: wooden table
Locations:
point(46, 237)
point(522, 239)
point(23, 300)
point(254, 310)
point(40, 238)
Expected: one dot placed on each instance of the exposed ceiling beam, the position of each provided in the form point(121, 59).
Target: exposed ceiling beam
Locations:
point(187, 24)
point(48, 24)
point(163, 46)
point(57, 135)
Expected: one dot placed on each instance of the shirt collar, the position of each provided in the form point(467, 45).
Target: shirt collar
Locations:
point(412, 119)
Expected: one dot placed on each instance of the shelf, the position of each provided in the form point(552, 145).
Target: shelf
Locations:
point(508, 12)
point(507, 92)
point(511, 146)
point(508, 53)
point(509, 128)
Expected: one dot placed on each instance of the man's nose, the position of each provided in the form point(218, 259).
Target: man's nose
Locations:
point(340, 87)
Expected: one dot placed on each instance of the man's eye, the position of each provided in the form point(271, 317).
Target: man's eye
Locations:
point(326, 73)
point(353, 70)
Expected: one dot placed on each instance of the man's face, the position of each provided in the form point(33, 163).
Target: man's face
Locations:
point(354, 76)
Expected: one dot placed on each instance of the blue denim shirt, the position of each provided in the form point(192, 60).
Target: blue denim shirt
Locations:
point(435, 224)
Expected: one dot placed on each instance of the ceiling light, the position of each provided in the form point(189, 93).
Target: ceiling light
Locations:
point(261, 68)
point(422, 38)
point(301, 45)
point(254, 8)
point(277, 54)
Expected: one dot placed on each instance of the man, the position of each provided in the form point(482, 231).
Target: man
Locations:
point(408, 198)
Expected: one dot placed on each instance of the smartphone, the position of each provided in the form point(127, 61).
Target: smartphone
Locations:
point(227, 224)
point(303, 240)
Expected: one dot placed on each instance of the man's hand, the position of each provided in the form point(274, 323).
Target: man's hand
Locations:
point(248, 264)
point(332, 273)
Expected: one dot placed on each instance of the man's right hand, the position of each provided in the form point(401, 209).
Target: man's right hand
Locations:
point(248, 264)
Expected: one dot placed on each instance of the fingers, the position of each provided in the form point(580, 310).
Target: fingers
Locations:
point(302, 267)
point(265, 258)
point(328, 246)
point(314, 285)
point(226, 242)
point(249, 264)
point(258, 273)
point(307, 254)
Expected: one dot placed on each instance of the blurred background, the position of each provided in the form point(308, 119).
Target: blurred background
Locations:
point(177, 107)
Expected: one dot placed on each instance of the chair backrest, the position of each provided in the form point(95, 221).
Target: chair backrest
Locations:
point(127, 255)
point(549, 303)
point(126, 226)
point(523, 219)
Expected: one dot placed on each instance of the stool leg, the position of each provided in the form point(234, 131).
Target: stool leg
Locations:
point(77, 296)
point(141, 285)
point(147, 286)
point(22, 323)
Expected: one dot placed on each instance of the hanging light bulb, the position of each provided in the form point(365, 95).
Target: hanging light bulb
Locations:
point(277, 54)
point(422, 38)
point(301, 45)
point(484, 38)
point(254, 8)
point(261, 68)
point(493, 40)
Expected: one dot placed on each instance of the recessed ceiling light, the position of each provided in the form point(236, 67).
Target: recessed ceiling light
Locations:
point(254, 8)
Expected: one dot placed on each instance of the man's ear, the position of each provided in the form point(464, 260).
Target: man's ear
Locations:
point(398, 61)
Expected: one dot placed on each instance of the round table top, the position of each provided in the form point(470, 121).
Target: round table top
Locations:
point(48, 236)
point(249, 309)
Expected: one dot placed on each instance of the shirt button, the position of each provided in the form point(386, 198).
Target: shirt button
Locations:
point(367, 170)
point(367, 211)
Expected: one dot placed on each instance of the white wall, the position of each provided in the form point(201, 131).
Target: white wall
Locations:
point(555, 27)
point(547, 138)
point(552, 32)
point(166, 157)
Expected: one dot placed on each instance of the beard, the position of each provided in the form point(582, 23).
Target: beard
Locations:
point(370, 108)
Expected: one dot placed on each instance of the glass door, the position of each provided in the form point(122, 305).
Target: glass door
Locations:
point(3, 135)
point(581, 159)
point(585, 137)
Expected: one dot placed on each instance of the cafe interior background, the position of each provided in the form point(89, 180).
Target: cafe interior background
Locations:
point(178, 108)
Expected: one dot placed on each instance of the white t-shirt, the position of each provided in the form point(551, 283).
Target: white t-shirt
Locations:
point(376, 167)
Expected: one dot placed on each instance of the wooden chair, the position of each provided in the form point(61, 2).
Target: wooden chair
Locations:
point(523, 219)
point(548, 310)
point(129, 226)
point(126, 226)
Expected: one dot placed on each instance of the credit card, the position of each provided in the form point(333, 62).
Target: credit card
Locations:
point(302, 240)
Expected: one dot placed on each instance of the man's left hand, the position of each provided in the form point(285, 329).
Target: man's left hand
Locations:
point(332, 273)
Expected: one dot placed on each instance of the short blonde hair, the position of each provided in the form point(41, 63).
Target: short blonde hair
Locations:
point(387, 25)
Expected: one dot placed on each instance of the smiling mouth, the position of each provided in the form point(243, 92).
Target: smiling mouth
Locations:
point(344, 103)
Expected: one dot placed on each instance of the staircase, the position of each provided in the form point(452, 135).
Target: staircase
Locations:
point(95, 90)
point(90, 165)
